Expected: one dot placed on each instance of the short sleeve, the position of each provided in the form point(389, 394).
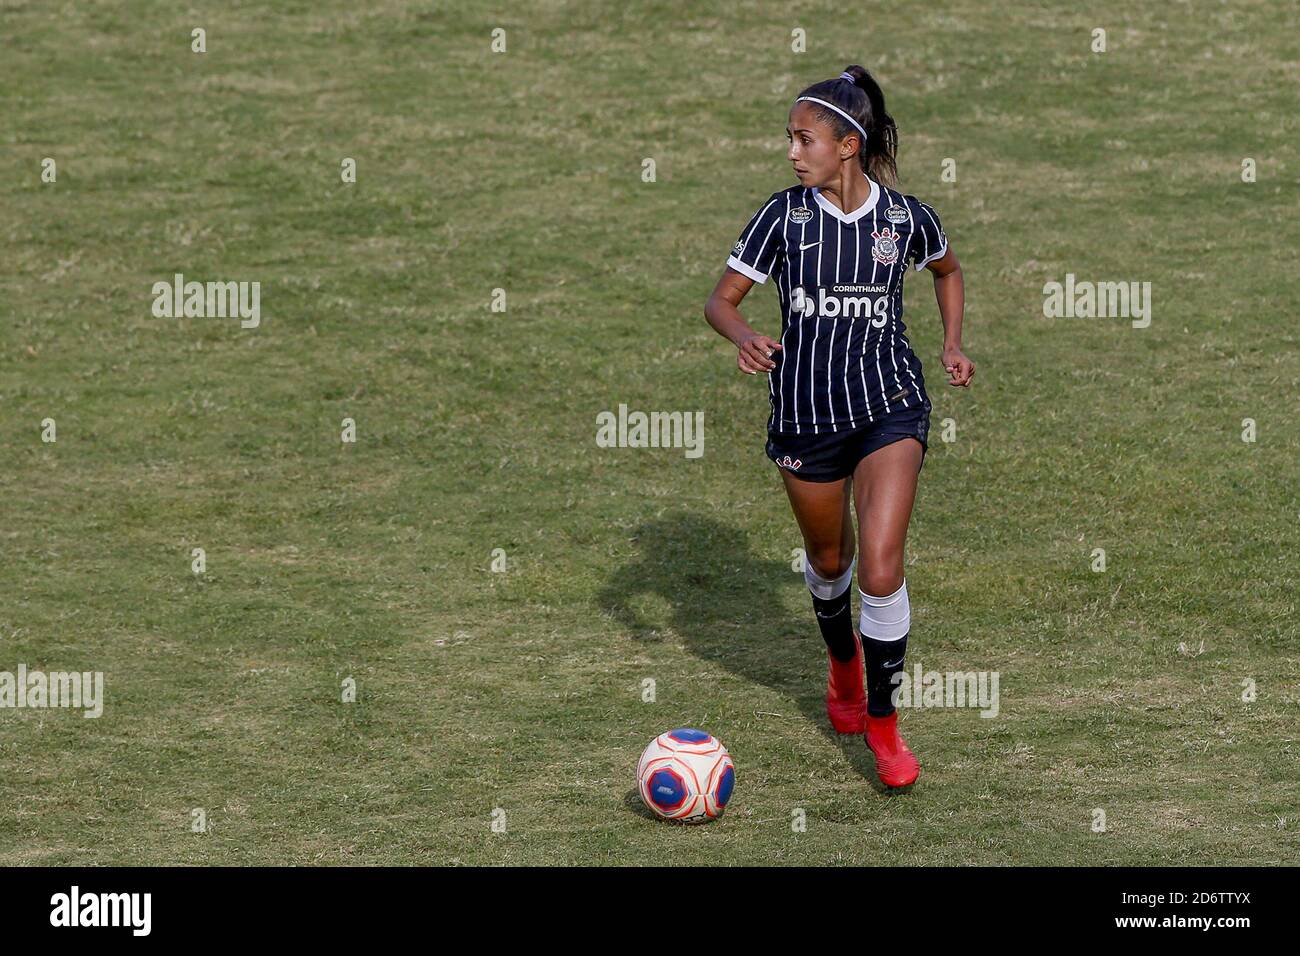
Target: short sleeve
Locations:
point(762, 242)
point(928, 240)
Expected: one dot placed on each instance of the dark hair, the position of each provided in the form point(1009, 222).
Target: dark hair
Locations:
point(863, 100)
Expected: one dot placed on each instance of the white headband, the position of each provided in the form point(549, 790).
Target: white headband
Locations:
point(832, 106)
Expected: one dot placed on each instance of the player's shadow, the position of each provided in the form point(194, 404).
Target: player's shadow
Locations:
point(722, 601)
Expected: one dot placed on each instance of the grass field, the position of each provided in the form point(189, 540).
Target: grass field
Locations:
point(521, 691)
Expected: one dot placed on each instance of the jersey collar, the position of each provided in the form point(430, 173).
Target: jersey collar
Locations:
point(858, 213)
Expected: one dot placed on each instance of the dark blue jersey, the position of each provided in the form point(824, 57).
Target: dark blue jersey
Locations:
point(844, 359)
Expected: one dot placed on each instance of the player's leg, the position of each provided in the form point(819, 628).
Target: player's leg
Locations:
point(822, 510)
point(884, 490)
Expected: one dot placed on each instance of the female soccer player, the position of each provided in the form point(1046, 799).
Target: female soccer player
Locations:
point(849, 405)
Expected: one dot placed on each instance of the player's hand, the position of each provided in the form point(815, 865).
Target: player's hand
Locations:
point(756, 353)
point(956, 364)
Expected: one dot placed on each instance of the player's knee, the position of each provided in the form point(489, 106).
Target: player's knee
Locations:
point(879, 571)
point(886, 615)
point(829, 564)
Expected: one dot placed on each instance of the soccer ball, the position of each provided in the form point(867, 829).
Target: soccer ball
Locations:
point(686, 775)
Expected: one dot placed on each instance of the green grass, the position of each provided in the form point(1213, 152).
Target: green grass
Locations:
point(522, 690)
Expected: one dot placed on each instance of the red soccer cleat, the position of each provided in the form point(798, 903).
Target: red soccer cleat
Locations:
point(895, 764)
point(846, 697)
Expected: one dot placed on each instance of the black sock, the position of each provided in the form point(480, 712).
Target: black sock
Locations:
point(836, 622)
point(884, 660)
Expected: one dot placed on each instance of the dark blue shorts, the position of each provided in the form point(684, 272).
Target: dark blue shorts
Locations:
point(833, 455)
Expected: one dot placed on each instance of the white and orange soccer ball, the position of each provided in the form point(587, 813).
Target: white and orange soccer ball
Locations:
point(686, 775)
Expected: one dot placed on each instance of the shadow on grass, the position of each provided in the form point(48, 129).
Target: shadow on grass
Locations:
point(723, 603)
point(633, 803)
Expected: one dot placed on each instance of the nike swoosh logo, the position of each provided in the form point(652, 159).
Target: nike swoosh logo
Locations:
point(802, 246)
point(827, 617)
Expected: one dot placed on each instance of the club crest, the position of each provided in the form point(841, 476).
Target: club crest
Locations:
point(787, 463)
point(885, 250)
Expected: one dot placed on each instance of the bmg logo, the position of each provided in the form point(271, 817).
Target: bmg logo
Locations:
point(840, 306)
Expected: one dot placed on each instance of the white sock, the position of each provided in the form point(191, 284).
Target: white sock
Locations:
point(885, 618)
point(825, 588)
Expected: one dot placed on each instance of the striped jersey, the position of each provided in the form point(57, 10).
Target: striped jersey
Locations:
point(844, 360)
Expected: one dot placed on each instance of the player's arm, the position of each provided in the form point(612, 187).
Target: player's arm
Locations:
point(722, 311)
point(950, 293)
